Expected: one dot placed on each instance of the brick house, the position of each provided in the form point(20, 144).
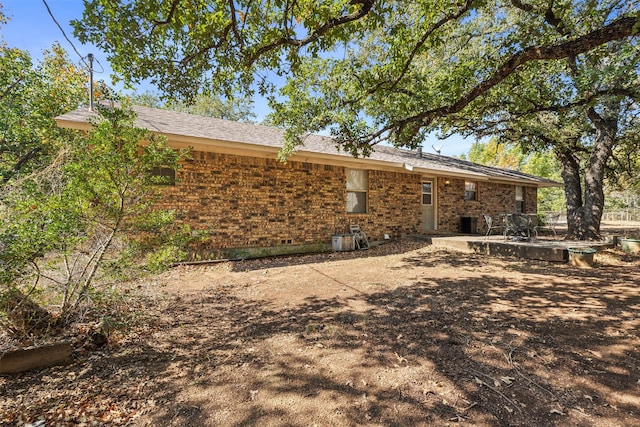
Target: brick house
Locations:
point(235, 186)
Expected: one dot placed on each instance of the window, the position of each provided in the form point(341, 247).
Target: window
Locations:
point(427, 193)
point(163, 176)
point(470, 190)
point(357, 187)
point(519, 199)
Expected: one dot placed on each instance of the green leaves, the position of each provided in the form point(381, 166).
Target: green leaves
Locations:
point(109, 170)
point(89, 212)
point(73, 206)
point(373, 71)
point(30, 99)
point(37, 214)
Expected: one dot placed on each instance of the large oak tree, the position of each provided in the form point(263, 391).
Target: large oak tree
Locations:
point(583, 109)
point(373, 71)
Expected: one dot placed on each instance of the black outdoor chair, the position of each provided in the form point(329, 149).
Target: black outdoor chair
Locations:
point(519, 227)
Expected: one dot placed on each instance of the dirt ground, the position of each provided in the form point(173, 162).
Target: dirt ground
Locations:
point(404, 334)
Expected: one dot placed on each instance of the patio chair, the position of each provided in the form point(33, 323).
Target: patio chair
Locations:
point(359, 237)
point(519, 227)
point(550, 224)
point(490, 224)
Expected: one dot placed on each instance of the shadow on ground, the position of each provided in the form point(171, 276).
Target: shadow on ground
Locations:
point(552, 345)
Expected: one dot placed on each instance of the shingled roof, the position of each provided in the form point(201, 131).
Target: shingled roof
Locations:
point(217, 135)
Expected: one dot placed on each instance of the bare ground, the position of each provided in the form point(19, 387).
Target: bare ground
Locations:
point(401, 335)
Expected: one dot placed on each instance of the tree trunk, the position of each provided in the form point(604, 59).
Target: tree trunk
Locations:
point(594, 198)
point(572, 190)
point(584, 209)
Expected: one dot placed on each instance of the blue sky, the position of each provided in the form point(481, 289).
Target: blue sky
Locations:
point(31, 28)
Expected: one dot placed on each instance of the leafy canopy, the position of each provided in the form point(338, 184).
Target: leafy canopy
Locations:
point(369, 71)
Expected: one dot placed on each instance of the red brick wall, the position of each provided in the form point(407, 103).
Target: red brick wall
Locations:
point(254, 202)
point(395, 206)
point(530, 199)
point(493, 199)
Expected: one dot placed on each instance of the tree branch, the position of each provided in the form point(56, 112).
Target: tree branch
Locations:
point(618, 29)
point(23, 160)
point(549, 15)
point(465, 8)
point(200, 52)
point(10, 87)
point(174, 6)
point(367, 5)
point(555, 108)
point(234, 23)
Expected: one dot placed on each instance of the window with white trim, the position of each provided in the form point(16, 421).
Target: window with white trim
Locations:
point(470, 190)
point(519, 199)
point(427, 193)
point(357, 188)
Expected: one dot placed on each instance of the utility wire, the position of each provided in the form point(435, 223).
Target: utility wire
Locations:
point(64, 34)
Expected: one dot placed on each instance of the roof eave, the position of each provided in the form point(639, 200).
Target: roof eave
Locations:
point(73, 124)
point(179, 141)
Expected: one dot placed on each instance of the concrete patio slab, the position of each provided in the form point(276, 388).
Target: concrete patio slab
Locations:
point(541, 249)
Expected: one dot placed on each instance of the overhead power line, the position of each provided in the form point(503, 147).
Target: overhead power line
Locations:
point(64, 34)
